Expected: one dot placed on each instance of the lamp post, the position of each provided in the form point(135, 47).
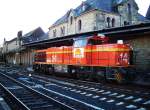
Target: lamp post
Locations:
point(19, 35)
point(5, 57)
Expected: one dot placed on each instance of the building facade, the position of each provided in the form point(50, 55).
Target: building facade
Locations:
point(11, 51)
point(148, 13)
point(96, 15)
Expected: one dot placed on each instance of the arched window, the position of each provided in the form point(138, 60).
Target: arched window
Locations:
point(71, 20)
point(108, 22)
point(62, 29)
point(129, 8)
point(79, 25)
point(126, 23)
point(129, 13)
point(113, 22)
point(54, 33)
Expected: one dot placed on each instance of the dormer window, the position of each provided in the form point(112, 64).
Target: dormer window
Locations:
point(71, 20)
point(62, 31)
point(84, 6)
point(129, 13)
point(54, 33)
point(115, 9)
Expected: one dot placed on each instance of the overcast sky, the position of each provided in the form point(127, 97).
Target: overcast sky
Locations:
point(27, 15)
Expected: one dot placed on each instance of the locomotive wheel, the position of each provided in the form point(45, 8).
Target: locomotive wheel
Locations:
point(119, 77)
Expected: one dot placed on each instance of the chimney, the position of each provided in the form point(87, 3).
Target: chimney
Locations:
point(84, 6)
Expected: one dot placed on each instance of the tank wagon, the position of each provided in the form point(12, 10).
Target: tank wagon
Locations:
point(90, 57)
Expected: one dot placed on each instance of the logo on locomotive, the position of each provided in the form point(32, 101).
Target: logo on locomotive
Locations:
point(78, 53)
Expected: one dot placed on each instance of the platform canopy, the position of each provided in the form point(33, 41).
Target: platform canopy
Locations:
point(126, 32)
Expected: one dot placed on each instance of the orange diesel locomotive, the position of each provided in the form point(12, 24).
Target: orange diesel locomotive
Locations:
point(89, 57)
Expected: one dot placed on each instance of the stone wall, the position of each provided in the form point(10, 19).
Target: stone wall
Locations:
point(132, 17)
point(101, 20)
point(58, 30)
point(27, 57)
point(13, 46)
point(141, 47)
point(90, 21)
point(87, 24)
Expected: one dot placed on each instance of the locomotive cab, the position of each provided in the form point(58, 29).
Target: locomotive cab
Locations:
point(94, 53)
point(92, 40)
point(83, 47)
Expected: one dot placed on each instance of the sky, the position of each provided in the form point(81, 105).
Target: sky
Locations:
point(26, 15)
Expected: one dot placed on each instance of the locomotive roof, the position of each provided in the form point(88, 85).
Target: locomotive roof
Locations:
point(82, 37)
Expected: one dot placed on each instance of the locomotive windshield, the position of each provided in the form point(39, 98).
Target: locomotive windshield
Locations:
point(80, 43)
point(94, 42)
point(90, 40)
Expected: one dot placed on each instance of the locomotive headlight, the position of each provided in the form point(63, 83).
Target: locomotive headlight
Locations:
point(102, 35)
point(119, 41)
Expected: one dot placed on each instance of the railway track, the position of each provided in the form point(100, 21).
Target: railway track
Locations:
point(21, 97)
point(114, 97)
point(91, 95)
point(38, 86)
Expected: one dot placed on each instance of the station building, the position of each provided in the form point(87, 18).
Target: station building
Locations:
point(137, 36)
point(17, 54)
point(148, 13)
point(11, 51)
point(94, 15)
point(118, 20)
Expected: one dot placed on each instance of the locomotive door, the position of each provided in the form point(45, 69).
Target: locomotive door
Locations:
point(94, 54)
point(89, 49)
point(79, 51)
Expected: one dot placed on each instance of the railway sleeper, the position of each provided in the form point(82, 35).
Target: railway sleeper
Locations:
point(36, 103)
point(45, 107)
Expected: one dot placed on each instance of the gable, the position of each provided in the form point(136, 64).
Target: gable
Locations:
point(148, 13)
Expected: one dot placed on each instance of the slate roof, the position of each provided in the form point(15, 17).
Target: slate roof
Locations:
point(105, 5)
point(142, 18)
point(118, 2)
point(148, 13)
point(35, 35)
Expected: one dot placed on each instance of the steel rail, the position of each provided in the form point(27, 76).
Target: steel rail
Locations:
point(13, 98)
point(53, 101)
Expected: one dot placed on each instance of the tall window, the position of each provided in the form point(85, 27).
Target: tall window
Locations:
point(108, 22)
point(79, 25)
point(115, 8)
point(71, 20)
point(54, 33)
point(129, 13)
point(62, 29)
point(113, 22)
point(126, 23)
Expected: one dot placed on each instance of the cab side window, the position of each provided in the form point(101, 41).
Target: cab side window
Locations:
point(94, 42)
